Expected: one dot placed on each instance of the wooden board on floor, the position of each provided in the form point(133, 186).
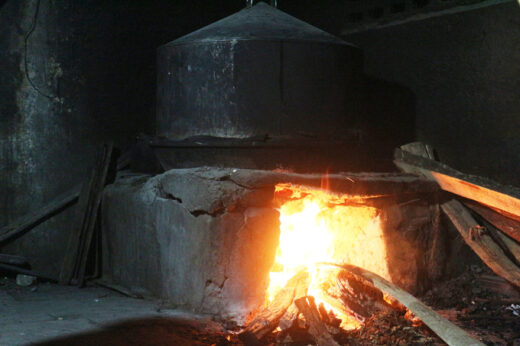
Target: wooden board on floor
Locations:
point(12, 259)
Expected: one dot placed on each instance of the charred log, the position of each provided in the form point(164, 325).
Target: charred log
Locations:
point(317, 328)
point(447, 331)
point(267, 319)
point(351, 294)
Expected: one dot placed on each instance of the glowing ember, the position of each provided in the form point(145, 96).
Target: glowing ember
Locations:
point(317, 226)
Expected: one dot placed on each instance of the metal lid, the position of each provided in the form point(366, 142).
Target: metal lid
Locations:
point(259, 22)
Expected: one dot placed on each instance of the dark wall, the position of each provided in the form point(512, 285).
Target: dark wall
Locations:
point(464, 70)
point(93, 63)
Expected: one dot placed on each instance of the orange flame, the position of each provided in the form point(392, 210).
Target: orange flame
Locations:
point(318, 226)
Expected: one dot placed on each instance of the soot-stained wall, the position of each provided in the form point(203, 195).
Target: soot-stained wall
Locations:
point(94, 65)
point(94, 61)
point(464, 70)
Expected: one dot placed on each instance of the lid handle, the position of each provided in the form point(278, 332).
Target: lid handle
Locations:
point(274, 3)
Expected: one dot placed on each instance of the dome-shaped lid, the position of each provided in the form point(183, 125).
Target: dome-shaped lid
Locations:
point(259, 22)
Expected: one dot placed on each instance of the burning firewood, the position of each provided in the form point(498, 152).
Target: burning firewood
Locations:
point(291, 314)
point(317, 328)
point(351, 294)
point(448, 332)
point(267, 319)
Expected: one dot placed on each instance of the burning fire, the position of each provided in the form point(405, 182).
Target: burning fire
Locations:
point(317, 226)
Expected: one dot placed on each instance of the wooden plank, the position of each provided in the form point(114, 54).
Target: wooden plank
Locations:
point(317, 328)
point(97, 194)
point(12, 259)
point(29, 221)
point(447, 331)
point(510, 247)
point(482, 190)
point(267, 319)
point(481, 242)
point(508, 226)
point(499, 286)
point(19, 270)
point(74, 263)
point(123, 161)
point(69, 261)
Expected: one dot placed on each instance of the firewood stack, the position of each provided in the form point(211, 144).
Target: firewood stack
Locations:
point(354, 292)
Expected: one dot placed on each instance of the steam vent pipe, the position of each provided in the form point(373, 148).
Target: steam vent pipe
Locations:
point(257, 72)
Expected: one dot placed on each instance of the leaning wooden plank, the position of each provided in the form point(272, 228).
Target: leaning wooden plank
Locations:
point(27, 222)
point(447, 331)
point(482, 190)
point(69, 261)
point(267, 319)
point(123, 161)
point(12, 259)
point(86, 215)
point(481, 242)
point(317, 328)
point(510, 246)
point(97, 194)
point(508, 226)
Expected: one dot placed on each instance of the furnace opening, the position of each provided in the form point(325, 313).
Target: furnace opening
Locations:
point(318, 227)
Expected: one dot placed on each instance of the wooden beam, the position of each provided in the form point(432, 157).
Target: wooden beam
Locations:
point(482, 190)
point(481, 242)
point(27, 222)
point(447, 331)
point(19, 270)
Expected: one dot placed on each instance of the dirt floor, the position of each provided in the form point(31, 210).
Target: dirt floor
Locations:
point(481, 303)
